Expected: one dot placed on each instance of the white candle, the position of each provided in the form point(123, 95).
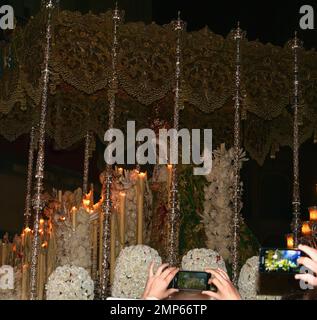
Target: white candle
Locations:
point(60, 193)
point(25, 281)
point(73, 217)
point(122, 218)
point(140, 202)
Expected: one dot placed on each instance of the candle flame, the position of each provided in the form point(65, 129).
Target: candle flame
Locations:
point(142, 174)
point(27, 230)
point(306, 230)
point(87, 200)
point(312, 213)
point(290, 241)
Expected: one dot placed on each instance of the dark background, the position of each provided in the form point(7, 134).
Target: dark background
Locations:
point(268, 189)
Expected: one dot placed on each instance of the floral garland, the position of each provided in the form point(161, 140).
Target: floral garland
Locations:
point(248, 281)
point(202, 259)
point(70, 283)
point(132, 270)
point(218, 208)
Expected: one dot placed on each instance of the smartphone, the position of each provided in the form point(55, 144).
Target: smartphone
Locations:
point(192, 281)
point(273, 260)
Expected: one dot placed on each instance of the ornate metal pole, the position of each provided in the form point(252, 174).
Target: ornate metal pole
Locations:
point(236, 197)
point(86, 162)
point(38, 202)
point(295, 45)
point(28, 198)
point(107, 205)
point(173, 215)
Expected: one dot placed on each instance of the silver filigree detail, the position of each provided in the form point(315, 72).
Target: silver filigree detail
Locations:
point(107, 205)
point(296, 223)
point(28, 197)
point(38, 203)
point(173, 214)
point(238, 35)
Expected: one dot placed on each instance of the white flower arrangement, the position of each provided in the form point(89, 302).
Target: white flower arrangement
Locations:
point(201, 259)
point(132, 270)
point(13, 294)
point(248, 281)
point(73, 246)
point(69, 283)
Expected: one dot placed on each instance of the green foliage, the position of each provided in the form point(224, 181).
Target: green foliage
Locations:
point(249, 245)
point(191, 196)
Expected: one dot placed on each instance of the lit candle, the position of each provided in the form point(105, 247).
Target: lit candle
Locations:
point(122, 218)
point(312, 213)
point(27, 238)
point(25, 281)
point(290, 241)
point(140, 202)
point(23, 239)
point(60, 193)
point(73, 217)
point(4, 254)
point(41, 271)
point(306, 230)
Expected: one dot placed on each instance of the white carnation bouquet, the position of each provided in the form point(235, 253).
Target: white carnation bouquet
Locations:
point(70, 283)
point(201, 259)
point(132, 270)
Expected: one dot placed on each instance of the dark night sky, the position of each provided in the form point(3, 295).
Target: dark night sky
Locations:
point(269, 21)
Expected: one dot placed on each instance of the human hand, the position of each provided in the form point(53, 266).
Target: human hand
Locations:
point(309, 262)
point(226, 290)
point(157, 284)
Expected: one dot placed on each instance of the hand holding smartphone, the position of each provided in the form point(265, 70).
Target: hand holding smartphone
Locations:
point(274, 260)
point(192, 281)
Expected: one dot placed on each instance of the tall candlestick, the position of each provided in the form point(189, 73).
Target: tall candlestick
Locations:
point(41, 272)
point(112, 245)
point(60, 194)
point(122, 218)
point(140, 202)
point(4, 254)
point(25, 281)
point(74, 217)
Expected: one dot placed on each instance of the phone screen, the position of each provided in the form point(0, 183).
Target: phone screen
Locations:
point(279, 260)
point(192, 280)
